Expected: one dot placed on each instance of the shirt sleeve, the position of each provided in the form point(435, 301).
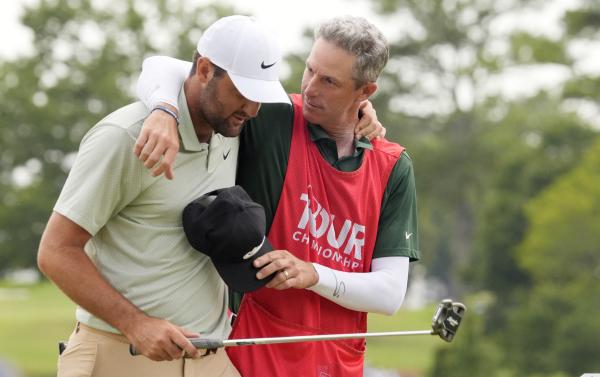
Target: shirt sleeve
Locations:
point(161, 80)
point(380, 291)
point(105, 177)
point(265, 144)
point(397, 234)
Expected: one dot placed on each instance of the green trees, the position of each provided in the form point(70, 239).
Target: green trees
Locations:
point(560, 253)
point(507, 173)
point(485, 149)
point(83, 66)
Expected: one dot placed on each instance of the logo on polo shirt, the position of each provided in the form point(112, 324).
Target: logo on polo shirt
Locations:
point(225, 154)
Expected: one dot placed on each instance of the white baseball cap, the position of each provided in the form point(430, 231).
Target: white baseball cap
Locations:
point(250, 55)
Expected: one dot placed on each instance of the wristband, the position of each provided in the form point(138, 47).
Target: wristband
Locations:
point(168, 111)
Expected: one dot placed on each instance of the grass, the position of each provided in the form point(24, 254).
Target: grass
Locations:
point(34, 318)
point(412, 355)
point(32, 321)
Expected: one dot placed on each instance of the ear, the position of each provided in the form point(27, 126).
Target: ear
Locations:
point(204, 70)
point(367, 90)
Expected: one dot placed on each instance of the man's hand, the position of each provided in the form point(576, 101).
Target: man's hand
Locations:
point(159, 339)
point(63, 259)
point(158, 143)
point(368, 125)
point(290, 271)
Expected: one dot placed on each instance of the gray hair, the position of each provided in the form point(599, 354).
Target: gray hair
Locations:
point(360, 38)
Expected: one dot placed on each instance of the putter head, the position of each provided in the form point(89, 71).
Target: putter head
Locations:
point(447, 318)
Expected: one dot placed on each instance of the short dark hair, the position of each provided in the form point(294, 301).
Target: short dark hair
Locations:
point(219, 72)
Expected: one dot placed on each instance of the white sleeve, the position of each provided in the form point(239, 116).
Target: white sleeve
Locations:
point(380, 291)
point(161, 80)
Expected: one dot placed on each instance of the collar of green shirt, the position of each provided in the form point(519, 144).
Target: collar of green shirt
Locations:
point(328, 149)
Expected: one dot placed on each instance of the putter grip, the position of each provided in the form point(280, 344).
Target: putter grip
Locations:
point(197, 342)
point(207, 343)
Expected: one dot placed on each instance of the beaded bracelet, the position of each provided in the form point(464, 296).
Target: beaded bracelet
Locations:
point(168, 111)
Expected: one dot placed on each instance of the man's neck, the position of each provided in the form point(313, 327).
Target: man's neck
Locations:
point(203, 130)
point(345, 148)
point(343, 135)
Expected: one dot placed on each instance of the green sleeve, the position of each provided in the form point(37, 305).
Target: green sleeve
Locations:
point(264, 153)
point(397, 234)
point(265, 144)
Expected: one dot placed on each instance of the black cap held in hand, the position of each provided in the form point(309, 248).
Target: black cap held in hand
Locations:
point(229, 227)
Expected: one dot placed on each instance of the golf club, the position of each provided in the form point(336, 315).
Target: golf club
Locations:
point(445, 322)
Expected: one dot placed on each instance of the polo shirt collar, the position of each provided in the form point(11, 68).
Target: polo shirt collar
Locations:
point(189, 139)
point(317, 133)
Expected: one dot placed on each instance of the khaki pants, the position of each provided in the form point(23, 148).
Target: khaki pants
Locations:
point(95, 353)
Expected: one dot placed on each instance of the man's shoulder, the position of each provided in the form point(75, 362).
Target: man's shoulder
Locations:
point(269, 112)
point(394, 154)
point(387, 148)
point(272, 125)
point(130, 118)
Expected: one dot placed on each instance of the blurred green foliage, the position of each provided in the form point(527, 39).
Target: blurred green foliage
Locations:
point(507, 185)
point(84, 64)
point(496, 212)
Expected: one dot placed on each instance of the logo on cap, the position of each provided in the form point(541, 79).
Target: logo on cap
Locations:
point(249, 52)
point(226, 225)
point(251, 253)
point(265, 66)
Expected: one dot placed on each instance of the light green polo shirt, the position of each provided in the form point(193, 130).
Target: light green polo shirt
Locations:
point(138, 243)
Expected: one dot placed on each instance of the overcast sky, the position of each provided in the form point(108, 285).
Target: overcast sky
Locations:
point(287, 17)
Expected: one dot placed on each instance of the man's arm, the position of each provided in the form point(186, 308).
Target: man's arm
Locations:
point(161, 79)
point(62, 259)
point(380, 291)
point(86, 203)
point(159, 84)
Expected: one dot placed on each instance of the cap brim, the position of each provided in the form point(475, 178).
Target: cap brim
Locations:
point(241, 275)
point(263, 91)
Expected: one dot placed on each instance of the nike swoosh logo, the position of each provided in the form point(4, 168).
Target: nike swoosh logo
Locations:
point(226, 154)
point(265, 66)
point(407, 235)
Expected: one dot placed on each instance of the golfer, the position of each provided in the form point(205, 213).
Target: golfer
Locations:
point(345, 209)
point(115, 244)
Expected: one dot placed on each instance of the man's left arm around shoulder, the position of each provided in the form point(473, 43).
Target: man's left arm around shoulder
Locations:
point(158, 142)
point(158, 88)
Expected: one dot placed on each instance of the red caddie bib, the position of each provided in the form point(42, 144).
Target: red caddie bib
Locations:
point(325, 216)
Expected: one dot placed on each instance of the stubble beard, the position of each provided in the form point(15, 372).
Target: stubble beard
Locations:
point(212, 108)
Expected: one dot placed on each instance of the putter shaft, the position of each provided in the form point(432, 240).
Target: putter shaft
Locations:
point(202, 343)
point(217, 343)
point(445, 323)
